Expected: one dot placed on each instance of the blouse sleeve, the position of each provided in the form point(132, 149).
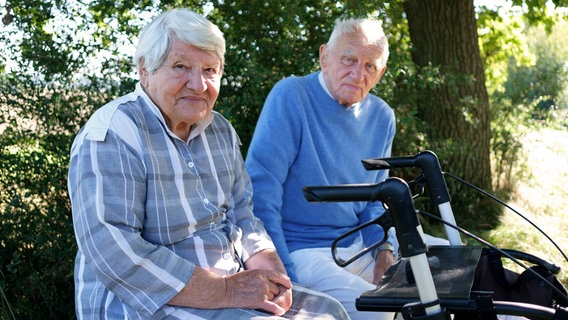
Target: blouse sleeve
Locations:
point(107, 191)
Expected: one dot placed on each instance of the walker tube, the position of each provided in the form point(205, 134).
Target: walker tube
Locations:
point(447, 215)
point(424, 283)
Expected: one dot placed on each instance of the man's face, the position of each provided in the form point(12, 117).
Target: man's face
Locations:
point(185, 87)
point(351, 68)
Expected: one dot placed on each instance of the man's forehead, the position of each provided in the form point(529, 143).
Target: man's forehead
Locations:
point(359, 39)
point(357, 48)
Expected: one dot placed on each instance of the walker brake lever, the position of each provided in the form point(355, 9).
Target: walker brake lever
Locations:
point(385, 221)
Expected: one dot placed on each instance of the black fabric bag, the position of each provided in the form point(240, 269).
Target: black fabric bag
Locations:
point(493, 280)
point(526, 287)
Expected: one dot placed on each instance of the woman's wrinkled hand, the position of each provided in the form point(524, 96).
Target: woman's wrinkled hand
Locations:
point(267, 290)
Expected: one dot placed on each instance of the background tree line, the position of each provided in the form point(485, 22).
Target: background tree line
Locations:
point(463, 81)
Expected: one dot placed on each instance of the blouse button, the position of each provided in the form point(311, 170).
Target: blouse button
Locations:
point(190, 164)
point(227, 256)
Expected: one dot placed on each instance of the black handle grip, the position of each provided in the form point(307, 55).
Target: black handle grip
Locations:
point(427, 161)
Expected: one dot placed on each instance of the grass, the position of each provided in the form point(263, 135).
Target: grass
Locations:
point(542, 197)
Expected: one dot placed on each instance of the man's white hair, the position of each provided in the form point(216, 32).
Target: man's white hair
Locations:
point(371, 28)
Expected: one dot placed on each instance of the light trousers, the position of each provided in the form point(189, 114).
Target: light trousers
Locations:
point(316, 269)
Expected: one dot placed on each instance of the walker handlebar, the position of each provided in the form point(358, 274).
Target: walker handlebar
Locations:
point(530, 311)
point(427, 161)
point(394, 193)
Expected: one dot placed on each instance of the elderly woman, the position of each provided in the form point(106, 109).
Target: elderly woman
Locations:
point(161, 199)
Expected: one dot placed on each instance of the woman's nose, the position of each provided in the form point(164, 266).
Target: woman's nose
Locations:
point(196, 81)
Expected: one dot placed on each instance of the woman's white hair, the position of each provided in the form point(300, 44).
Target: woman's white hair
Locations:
point(190, 27)
point(371, 28)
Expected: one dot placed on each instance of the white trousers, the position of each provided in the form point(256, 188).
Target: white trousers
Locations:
point(316, 269)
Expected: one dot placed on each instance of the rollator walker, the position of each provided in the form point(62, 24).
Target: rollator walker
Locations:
point(436, 282)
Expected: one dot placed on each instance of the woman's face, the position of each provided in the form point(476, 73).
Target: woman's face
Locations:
point(185, 87)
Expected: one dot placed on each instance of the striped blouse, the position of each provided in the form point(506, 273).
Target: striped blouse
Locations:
point(149, 207)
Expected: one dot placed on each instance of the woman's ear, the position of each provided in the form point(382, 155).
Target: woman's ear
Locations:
point(142, 73)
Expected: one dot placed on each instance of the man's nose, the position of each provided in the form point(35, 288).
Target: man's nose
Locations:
point(358, 72)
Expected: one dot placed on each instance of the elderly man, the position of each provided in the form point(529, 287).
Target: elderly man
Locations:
point(314, 130)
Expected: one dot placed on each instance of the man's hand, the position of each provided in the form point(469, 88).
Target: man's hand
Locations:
point(384, 260)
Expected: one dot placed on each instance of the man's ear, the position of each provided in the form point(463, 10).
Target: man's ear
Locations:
point(322, 52)
point(381, 73)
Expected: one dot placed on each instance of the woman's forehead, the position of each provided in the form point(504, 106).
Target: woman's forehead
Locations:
point(180, 50)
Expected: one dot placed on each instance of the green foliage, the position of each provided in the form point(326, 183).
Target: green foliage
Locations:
point(36, 230)
point(539, 85)
point(526, 76)
point(37, 242)
point(501, 39)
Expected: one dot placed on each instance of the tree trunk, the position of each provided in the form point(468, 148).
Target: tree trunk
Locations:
point(455, 103)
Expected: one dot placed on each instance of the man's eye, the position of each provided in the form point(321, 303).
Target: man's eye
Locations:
point(372, 68)
point(348, 61)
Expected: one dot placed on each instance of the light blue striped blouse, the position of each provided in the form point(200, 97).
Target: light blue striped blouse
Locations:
point(149, 207)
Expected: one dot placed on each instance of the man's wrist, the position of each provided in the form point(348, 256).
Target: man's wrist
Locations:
point(383, 247)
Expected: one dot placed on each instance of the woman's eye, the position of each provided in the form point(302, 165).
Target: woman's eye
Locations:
point(179, 69)
point(211, 72)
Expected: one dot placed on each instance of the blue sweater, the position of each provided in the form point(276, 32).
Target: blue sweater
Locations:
point(305, 137)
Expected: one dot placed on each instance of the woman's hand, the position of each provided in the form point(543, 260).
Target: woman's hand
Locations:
point(264, 285)
point(269, 260)
point(267, 290)
point(284, 298)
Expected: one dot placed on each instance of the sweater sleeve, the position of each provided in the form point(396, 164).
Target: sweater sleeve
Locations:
point(375, 209)
point(271, 153)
